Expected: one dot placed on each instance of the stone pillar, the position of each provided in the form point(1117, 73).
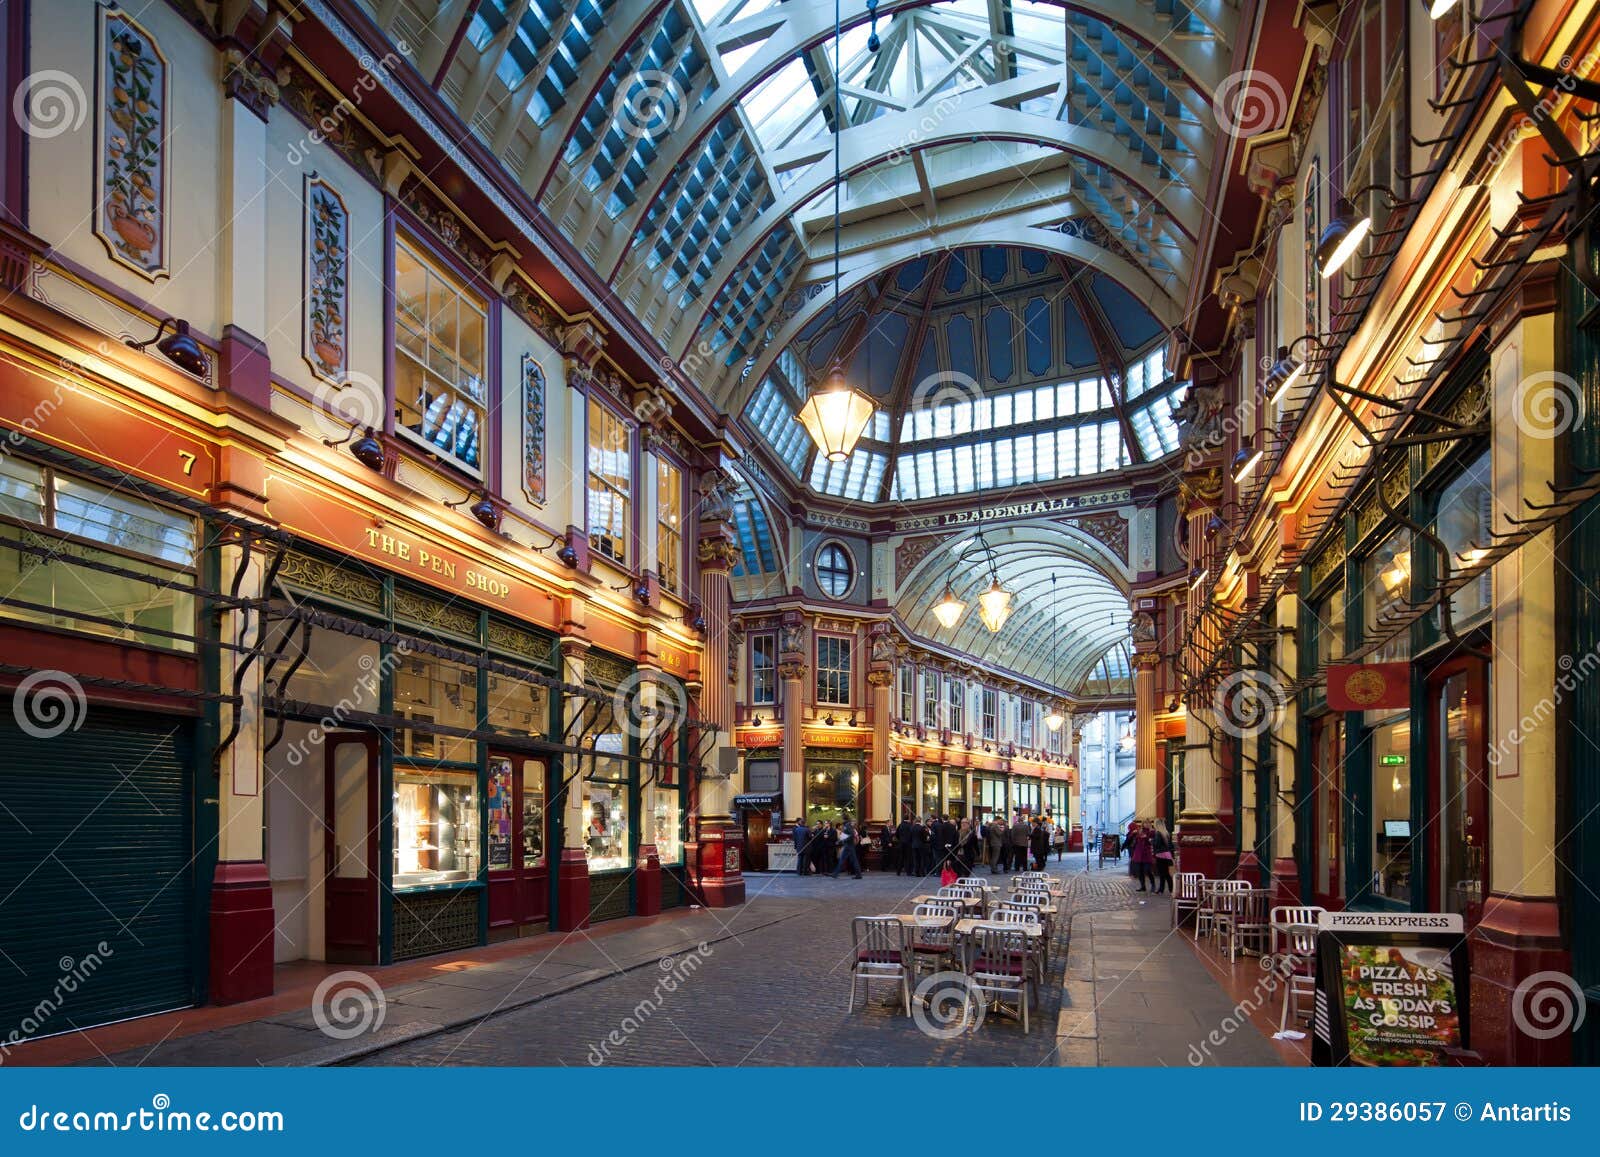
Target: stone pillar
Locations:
point(572, 867)
point(244, 368)
point(241, 892)
point(875, 801)
point(1204, 837)
point(792, 669)
point(1145, 788)
point(715, 855)
point(1520, 932)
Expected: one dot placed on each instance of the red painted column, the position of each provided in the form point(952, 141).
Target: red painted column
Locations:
point(241, 932)
point(1517, 939)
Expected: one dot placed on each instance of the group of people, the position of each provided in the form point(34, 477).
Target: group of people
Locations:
point(1149, 847)
point(919, 846)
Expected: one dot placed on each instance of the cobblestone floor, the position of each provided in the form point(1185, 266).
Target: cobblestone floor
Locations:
point(777, 997)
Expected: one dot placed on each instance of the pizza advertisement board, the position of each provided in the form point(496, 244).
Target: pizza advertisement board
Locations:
point(1391, 990)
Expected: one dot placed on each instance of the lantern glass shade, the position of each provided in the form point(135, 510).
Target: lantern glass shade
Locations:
point(835, 415)
point(1055, 719)
point(994, 606)
point(948, 609)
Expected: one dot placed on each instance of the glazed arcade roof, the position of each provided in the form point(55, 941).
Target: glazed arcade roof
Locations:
point(686, 147)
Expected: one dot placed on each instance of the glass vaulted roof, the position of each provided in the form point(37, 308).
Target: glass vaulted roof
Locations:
point(993, 368)
point(687, 149)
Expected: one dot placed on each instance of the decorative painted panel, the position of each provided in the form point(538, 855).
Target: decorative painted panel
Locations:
point(327, 281)
point(533, 430)
point(130, 145)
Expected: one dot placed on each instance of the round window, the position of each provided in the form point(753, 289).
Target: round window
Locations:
point(835, 571)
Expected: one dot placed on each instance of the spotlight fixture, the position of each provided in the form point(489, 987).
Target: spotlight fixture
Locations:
point(1287, 370)
point(829, 719)
point(178, 347)
point(1347, 230)
point(484, 509)
point(1244, 462)
point(852, 719)
point(366, 449)
point(1438, 9)
point(755, 721)
point(1198, 576)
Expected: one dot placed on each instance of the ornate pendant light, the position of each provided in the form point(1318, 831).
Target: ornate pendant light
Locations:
point(948, 609)
point(994, 606)
point(836, 413)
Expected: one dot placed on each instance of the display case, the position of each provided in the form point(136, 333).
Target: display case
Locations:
point(436, 827)
point(666, 820)
point(605, 809)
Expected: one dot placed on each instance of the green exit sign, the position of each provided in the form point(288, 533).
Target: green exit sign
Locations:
point(1392, 760)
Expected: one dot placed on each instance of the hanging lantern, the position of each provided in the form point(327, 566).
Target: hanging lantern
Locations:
point(994, 606)
point(836, 415)
point(1055, 719)
point(948, 609)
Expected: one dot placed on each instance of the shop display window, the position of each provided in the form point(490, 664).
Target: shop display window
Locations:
point(533, 817)
point(1390, 810)
point(605, 805)
point(666, 819)
point(1327, 627)
point(436, 827)
point(929, 803)
point(438, 691)
point(1386, 582)
point(515, 707)
point(831, 789)
point(1466, 508)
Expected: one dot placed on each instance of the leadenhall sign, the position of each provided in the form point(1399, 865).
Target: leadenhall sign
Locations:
point(1014, 510)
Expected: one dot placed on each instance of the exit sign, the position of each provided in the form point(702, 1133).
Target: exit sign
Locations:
point(1392, 760)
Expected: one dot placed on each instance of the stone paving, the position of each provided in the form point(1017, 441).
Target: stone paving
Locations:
point(767, 984)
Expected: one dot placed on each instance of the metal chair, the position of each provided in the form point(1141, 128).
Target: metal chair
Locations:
point(1251, 929)
point(999, 963)
point(1185, 895)
point(1029, 917)
point(933, 944)
point(882, 952)
point(1227, 900)
point(1292, 955)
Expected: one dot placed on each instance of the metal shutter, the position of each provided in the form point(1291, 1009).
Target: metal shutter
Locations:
point(95, 845)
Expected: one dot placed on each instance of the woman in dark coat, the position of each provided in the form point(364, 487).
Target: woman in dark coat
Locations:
point(966, 852)
point(1141, 855)
point(1039, 845)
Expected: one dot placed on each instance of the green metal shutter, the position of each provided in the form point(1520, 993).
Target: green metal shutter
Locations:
point(95, 847)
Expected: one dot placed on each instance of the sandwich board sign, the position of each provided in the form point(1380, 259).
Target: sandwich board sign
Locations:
point(1391, 988)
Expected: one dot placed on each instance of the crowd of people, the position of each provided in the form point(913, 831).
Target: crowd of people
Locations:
point(1149, 847)
point(923, 845)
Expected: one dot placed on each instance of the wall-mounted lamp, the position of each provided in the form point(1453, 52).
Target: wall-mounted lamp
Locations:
point(852, 719)
point(1287, 371)
point(755, 721)
point(1244, 462)
point(179, 348)
point(366, 449)
point(567, 556)
point(1198, 576)
point(1347, 230)
point(483, 509)
point(829, 719)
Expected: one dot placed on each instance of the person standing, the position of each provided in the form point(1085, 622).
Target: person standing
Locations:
point(1161, 848)
point(1019, 844)
point(802, 846)
point(995, 838)
point(1141, 857)
point(944, 841)
point(1039, 844)
point(919, 847)
point(848, 854)
point(906, 864)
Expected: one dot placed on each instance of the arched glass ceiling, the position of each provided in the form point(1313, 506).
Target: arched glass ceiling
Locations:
point(686, 147)
point(993, 368)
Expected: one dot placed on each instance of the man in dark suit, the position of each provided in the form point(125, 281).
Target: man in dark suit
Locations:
point(944, 841)
point(802, 850)
point(905, 864)
point(919, 848)
point(1020, 832)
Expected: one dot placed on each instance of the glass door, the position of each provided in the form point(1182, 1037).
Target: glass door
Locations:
point(350, 891)
point(1327, 793)
point(518, 870)
point(1457, 694)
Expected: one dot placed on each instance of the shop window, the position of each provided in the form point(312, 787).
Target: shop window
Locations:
point(605, 804)
point(440, 395)
point(1374, 72)
point(109, 527)
point(830, 790)
point(610, 482)
point(1327, 627)
point(436, 827)
point(517, 707)
point(436, 691)
point(955, 694)
point(1025, 727)
point(930, 699)
point(669, 524)
point(1386, 589)
point(833, 671)
point(956, 795)
point(763, 669)
point(1466, 511)
point(505, 805)
point(907, 676)
point(835, 571)
point(666, 819)
point(929, 799)
point(1390, 810)
point(1327, 750)
point(991, 710)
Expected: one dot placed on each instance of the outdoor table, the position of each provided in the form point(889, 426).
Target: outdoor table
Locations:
point(968, 926)
point(964, 901)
